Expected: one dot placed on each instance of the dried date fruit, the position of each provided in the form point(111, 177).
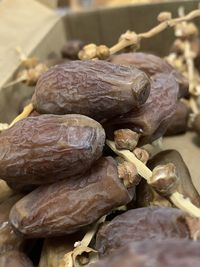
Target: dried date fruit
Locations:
point(152, 65)
point(139, 224)
point(15, 258)
point(179, 121)
point(8, 239)
point(71, 49)
point(49, 148)
point(42, 213)
point(185, 185)
point(97, 89)
point(152, 118)
point(159, 253)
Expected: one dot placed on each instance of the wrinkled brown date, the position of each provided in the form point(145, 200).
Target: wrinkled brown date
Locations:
point(8, 239)
point(97, 89)
point(152, 118)
point(152, 65)
point(139, 224)
point(156, 253)
point(66, 206)
point(179, 121)
point(49, 148)
point(185, 185)
point(15, 258)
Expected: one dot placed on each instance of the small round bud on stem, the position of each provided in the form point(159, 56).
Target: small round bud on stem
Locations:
point(88, 52)
point(102, 52)
point(164, 16)
point(141, 154)
point(128, 173)
point(126, 139)
point(164, 179)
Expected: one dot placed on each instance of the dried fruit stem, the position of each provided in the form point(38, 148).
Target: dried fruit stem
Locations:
point(177, 198)
point(27, 110)
point(134, 39)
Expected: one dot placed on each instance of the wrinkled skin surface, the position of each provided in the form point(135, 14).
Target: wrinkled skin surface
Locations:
point(8, 239)
point(159, 253)
point(139, 224)
point(152, 118)
point(185, 185)
point(152, 65)
point(179, 121)
point(15, 258)
point(66, 206)
point(97, 89)
point(49, 148)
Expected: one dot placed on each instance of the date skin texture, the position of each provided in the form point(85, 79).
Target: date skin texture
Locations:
point(15, 258)
point(97, 89)
point(179, 121)
point(159, 253)
point(66, 206)
point(152, 118)
point(48, 148)
point(139, 224)
point(152, 65)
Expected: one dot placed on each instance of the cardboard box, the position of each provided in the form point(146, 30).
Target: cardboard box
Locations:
point(40, 31)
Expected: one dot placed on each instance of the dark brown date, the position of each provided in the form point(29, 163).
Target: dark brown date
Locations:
point(153, 117)
point(48, 148)
point(139, 224)
point(152, 65)
point(179, 121)
point(15, 258)
point(185, 185)
point(156, 253)
point(66, 206)
point(71, 48)
point(97, 89)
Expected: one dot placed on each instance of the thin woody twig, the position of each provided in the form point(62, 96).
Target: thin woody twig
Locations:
point(178, 199)
point(134, 39)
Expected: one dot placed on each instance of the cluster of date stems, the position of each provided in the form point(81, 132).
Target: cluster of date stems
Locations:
point(78, 167)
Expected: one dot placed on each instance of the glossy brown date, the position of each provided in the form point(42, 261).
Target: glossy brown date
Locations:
point(152, 118)
point(48, 148)
point(152, 65)
point(156, 253)
point(97, 89)
point(66, 206)
point(139, 224)
point(179, 121)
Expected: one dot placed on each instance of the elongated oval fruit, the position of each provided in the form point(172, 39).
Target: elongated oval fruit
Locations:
point(66, 206)
point(139, 224)
point(97, 89)
point(153, 117)
point(49, 148)
point(152, 65)
point(156, 253)
point(179, 121)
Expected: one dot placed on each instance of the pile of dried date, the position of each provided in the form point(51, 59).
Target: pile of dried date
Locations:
point(79, 186)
